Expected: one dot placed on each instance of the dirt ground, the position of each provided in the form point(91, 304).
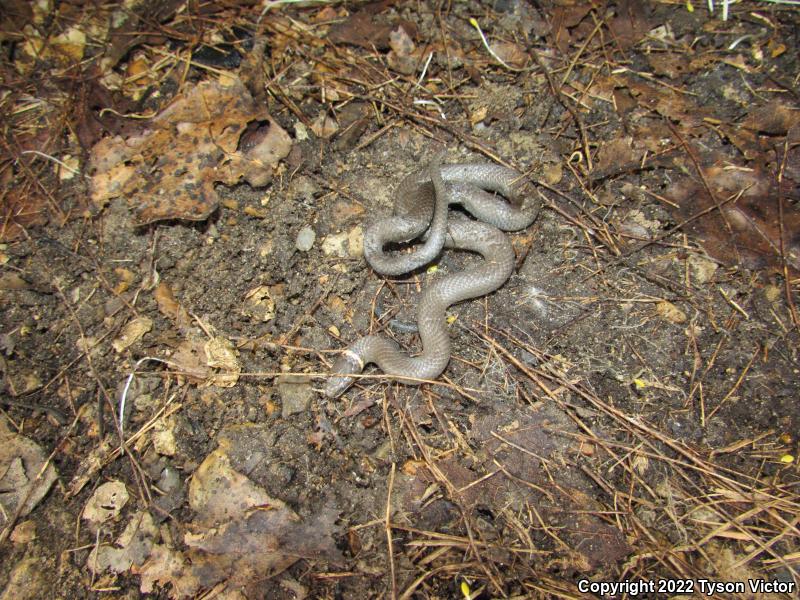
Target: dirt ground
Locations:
point(185, 190)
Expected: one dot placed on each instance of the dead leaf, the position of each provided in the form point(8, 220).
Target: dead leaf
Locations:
point(680, 108)
point(241, 535)
point(90, 466)
point(169, 170)
point(132, 333)
point(13, 282)
point(24, 533)
point(24, 479)
point(28, 580)
point(519, 479)
point(367, 29)
point(403, 57)
point(741, 225)
point(630, 23)
point(324, 126)
point(510, 53)
point(209, 362)
point(163, 436)
point(669, 64)
point(169, 306)
point(106, 502)
point(669, 312)
point(221, 356)
point(189, 359)
point(21, 210)
point(165, 300)
point(258, 304)
point(131, 548)
point(616, 156)
point(401, 43)
point(774, 118)
point(565, 18)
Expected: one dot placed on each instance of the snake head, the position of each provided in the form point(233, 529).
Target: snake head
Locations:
point(348, 363)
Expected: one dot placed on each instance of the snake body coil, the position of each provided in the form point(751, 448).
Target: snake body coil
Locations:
point(421, 211)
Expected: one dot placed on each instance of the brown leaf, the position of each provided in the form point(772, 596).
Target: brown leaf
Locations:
point(21, 461)
point(565, 18)
point(774, 118)
point(510, 53)
point(20, 210)
point(669, 64)
point(617, 156)
point(742, 225)
point(169, 170)
point(165, 300)
point(368, 28)
point(562, 497)
point(169, 306)
point(679, 108)
point(240, 535)
point(630, 23)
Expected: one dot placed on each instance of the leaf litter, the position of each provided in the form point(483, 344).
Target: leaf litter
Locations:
point(169, 170)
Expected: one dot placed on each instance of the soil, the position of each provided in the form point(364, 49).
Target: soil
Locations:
point(622, 409)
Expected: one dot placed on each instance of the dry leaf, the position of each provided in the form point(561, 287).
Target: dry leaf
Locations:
point(403, 56)
point(163, 436)
point(21, 461)
point(106, 502)
point(222, 356)
point(19, 211)
point(131, 548)
point(169, 170)
point(90, 466)
point(240, 534)
point(774, 118)
point(258, 304)
point(132, 333)
point(669, 312)
point(324, 126)
point(510, 53)
point(616, 156)
point(744, 229)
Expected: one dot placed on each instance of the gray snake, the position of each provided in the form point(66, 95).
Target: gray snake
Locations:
point(421, 212)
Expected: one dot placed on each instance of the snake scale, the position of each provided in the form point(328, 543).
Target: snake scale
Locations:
point(421, 213)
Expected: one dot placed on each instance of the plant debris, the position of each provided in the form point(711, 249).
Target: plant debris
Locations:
point(203, 132)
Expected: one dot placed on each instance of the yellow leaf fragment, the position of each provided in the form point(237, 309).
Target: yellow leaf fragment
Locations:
point(132, 332)
point(669, 312)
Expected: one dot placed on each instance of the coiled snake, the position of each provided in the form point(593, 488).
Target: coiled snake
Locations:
point(421, 211)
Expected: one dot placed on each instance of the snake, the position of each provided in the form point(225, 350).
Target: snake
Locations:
point(421, 213)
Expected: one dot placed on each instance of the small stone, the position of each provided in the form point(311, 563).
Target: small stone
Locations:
point(336, 245)
point(355, 242)
point(305, 239)
point(295, 395)
point(170, 480)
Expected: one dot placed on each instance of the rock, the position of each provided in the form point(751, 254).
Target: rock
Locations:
point(335, 245)
point(295, 395)
point(305, 239)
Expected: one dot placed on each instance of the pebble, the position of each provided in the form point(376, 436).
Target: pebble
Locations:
point(295, 393)
point(305, 239)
